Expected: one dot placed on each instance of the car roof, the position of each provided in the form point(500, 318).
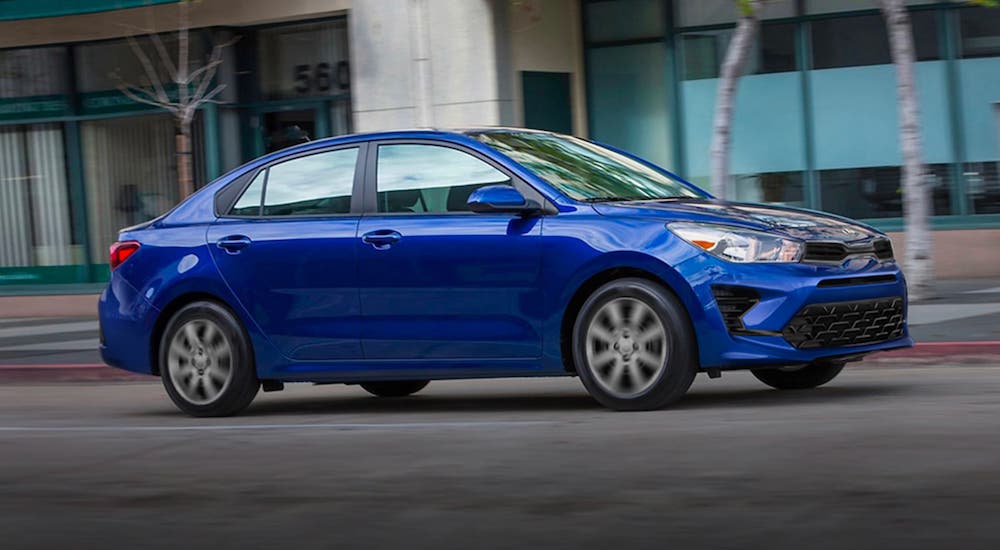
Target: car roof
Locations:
point(411, 133)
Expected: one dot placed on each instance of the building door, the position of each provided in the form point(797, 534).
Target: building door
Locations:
point(547, 101)
point(281, 129)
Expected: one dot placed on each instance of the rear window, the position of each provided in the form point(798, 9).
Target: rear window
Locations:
point(313, 185)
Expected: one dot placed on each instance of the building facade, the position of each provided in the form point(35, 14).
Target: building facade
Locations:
point(815, 125)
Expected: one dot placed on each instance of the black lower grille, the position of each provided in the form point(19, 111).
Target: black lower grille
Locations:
point(846, 324)
point(733, 302)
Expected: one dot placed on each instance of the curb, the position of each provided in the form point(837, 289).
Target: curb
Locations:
point(946, 349)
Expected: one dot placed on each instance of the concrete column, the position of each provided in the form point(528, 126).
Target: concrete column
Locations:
point(430, 63)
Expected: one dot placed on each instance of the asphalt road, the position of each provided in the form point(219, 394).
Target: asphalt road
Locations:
point(887, 457)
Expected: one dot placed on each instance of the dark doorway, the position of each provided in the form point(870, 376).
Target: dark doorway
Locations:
point(547, 101)
point(286, 128)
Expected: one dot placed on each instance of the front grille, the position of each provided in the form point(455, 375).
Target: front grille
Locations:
point(835, 252)
point(733, 302)
point(846, 324)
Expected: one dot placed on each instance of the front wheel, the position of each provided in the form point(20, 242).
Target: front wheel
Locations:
point(206, 362)
point(633, 346)
point(801, 378)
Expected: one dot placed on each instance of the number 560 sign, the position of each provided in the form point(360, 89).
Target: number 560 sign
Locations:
point(321, 77)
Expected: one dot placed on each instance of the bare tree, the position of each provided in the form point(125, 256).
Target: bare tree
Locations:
point(195, 85)
point(732, 69)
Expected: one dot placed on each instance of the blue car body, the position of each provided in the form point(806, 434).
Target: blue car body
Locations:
point(465, 296)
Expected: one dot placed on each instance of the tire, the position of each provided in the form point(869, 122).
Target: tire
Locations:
point(807, 377)
point(396, 388)
point(206, 361)
point(638, 375)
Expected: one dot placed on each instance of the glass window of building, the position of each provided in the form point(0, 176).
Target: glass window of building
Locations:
point(130, 167)
point(32, 73)
point(859, 40)
point(831, 6)
point(876, 192)
point(982, 187)
point(314, 185)
point(628, 94)
point(102, 66)
point(304, 60)
point(782, 188)
point(980, 32)
point(704, 51)
point(611, 20)
point(714, 12)
point(429, 178)
point(35, 219)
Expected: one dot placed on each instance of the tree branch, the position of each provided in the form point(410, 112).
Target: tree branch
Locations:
point(147, 66)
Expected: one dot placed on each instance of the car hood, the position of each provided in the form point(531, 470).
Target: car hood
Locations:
point(789, 222)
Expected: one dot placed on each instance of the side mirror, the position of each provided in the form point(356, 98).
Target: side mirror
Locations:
point(501, 198)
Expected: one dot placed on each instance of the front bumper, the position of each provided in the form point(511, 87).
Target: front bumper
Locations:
point(802, 313)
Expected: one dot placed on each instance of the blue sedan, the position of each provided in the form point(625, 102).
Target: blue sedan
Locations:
point(391, 259)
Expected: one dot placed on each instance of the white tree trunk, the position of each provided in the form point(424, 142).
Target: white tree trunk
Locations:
point(918, 261)
point(725, 98)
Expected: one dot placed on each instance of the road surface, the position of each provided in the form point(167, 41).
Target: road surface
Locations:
point(887, 457)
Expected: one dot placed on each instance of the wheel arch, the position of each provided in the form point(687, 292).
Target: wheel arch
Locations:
point(597, 280)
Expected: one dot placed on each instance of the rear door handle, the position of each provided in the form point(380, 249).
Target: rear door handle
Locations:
point(381, 239)
point(233, 243)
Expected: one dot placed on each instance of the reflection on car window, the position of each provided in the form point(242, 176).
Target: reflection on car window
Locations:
point(584, 170)
point(249, 203)
point(313, 185)
point(430, 178)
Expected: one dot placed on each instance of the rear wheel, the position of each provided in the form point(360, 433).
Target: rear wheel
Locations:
point(633, 346)
point(206, 363)
point(400, 388)
point(799, 378)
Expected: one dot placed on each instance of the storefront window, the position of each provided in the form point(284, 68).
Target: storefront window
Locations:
point(611, 20)
point(304, 60)
point(102, 66)
point(131, 175)
point(35, 222)
point(714, 12)
point(33, 83)
point(982, 185)
point(980, 32)
point(877, 192)
point(782, 188)
point(629, 101)
point(862, 40)
point(704, 51)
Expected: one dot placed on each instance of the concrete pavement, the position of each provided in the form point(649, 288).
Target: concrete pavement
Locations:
point(886, 458)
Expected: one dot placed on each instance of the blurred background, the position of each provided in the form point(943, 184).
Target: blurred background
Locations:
point(899, 453)
point(815, 124)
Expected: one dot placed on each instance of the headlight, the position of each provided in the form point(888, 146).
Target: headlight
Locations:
point(734, 244)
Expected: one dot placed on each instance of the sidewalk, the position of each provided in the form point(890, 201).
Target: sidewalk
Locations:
point(56, 336)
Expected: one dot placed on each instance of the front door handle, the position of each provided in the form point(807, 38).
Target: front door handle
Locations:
point(382, 239)
point(233, 243)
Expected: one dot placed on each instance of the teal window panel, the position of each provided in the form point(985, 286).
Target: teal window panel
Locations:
point(980, 79)
point(767, 129)
point(855, 115)
point(629, 101)
point(610, 20)
point(28, 9)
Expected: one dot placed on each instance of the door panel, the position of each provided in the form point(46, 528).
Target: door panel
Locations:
point(289, 253)
point(438, 281)
point(451, 286)
point(297, 279)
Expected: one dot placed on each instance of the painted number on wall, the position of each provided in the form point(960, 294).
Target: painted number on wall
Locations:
point(321, 77)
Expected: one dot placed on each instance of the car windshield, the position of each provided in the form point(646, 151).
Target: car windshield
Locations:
point(583, 170)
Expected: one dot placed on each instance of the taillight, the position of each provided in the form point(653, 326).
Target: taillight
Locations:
point(121, 251)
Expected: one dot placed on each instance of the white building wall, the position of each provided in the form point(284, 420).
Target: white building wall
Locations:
point(433, 63)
